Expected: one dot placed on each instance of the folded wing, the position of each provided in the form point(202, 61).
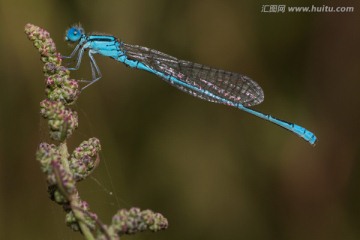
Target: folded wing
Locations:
point(234, 87)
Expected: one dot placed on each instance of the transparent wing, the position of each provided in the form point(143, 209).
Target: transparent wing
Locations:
point(231, 86)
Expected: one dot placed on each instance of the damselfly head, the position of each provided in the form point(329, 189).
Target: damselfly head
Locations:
point(74, 33)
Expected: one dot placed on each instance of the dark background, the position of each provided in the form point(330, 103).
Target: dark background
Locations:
point(215, 172)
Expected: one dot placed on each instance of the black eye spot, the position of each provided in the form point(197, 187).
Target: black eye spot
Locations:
point(75, 32)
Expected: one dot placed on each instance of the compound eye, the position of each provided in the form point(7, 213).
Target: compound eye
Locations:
point(73, 34)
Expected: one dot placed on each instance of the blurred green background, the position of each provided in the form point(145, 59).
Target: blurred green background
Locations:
point(215, 172)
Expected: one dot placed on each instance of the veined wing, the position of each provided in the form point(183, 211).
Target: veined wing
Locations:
point(234, 87)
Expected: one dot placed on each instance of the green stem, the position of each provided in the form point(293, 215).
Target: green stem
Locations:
point(74, 199)
point(64, 156)
point(80, 217)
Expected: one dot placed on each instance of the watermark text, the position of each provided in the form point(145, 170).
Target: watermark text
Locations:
point(305, 9)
